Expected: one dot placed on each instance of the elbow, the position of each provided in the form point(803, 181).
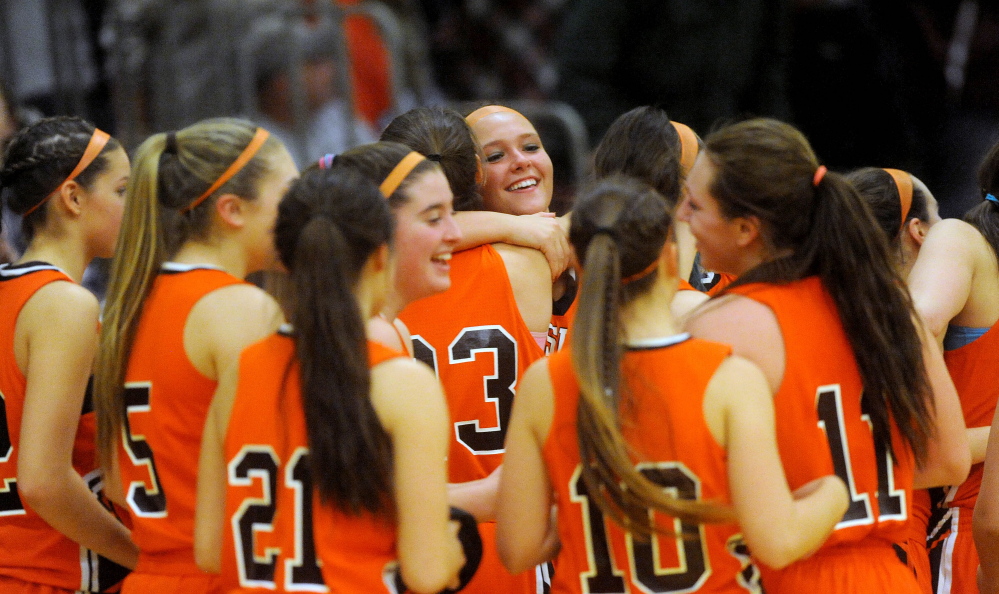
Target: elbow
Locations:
point(426, 579)
point(985, 524)
point(514, 560)
point(777, 553)
point(38, 491)
point(957, 467)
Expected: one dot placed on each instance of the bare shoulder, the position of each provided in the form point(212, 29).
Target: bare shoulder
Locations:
point(530, 278)
point(404, 390)
point(64, 299)
point(518, 258)
point(748, 326)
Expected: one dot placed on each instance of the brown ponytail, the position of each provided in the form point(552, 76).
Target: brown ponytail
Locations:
point(621, 226)
point(765, 168)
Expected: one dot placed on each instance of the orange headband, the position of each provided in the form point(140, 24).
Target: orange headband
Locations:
point(98, 140)
point(819, 174)
point(244, 157)
point(642, 273)
point(473, 118)
point(903, 183)
point(688, 146)
point(399, 173)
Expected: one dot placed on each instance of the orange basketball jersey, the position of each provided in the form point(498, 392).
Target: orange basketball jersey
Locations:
point(473, 336)
point(269, 543)
point(822, 429)
point(674, 448)
point(974, 368)
point(166, 401)
point(30, 549)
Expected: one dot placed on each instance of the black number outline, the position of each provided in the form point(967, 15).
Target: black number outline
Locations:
point(300, 575)
point(254, 514)
point(892, 505)
point(10, 501)
point(498, 388)
point(145, 502)
point(692, 553)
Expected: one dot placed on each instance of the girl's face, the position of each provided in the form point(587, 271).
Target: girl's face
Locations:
point(105, 200)
point(716, 235)
point(261, 214)
point(425, 236)
point(518, 171)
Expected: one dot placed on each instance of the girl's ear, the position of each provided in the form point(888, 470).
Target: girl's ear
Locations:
point(230, 209)
point(70, 196)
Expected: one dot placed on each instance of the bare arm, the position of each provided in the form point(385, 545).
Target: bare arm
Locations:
point(524, 530)
point(411, 407)
point(541, 231)
point(477, 497)
point(941, 279)
point(60, 322)
point(532, 288)
point(209, 511)
point(949, 457)
point(985, 524)
point(779, 527)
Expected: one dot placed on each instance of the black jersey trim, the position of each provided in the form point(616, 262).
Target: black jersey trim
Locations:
point(12, 271)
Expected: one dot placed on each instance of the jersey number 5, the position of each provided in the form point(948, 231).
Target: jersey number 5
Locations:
point(146, 500)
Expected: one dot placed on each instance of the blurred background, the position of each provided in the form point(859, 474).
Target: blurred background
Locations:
point(911, 85)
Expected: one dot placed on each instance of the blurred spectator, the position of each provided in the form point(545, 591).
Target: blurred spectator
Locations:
point(701, 61)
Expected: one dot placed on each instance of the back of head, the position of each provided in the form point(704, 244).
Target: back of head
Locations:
point(329, 225)
point(621, 226)
point(814, 222)
point(878, 189)
point(643, 144)
point(39, 158)
point(376, 161)
point(985, 216)
point(443, 136)
point(169, 203)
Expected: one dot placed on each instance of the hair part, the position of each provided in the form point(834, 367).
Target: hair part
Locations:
point(765, 169)
point(153, 229)
point(643, 144)
point(39, 158)
point(442, 135)
point(620, 225)
point(329, 225)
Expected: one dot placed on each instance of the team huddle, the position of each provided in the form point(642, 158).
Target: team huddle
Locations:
point(439, 385)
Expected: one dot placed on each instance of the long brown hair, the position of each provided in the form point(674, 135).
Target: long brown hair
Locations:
point(328, 226)
point(170, 171)
point(985, 216)
point(819, 226)
point(642, 143)
point(877, 188)
point(620, 226)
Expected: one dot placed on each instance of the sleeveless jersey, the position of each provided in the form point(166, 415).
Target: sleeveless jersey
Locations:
point(665, 425)
point(822, 429)
point(974, 368)
point(30, 549)
point(475, 339)
point(166, 402)
point(268, 542)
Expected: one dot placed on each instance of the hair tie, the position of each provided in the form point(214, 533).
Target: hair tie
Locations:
point(903, 183)
point(641, 274)
point(326, 161)
point(991, 198)
point(689, 146)
point(474, 117)
point(436, 158)
point(819, 174)
point(258, 140)
point(98, 140)
point(400, 172)
point(171, 143)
